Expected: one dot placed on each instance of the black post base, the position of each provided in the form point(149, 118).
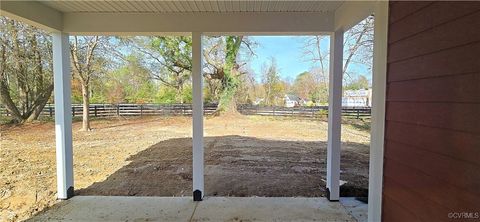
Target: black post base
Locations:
point(70, 192)
point(197, 195)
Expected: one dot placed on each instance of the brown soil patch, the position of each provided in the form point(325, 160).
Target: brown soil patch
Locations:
point(250, 156)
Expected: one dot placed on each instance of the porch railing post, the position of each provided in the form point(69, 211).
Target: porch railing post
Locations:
point(334, 117)
point(197, 112)
point(63, 115)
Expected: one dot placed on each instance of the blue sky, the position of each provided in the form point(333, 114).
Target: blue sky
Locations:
point(288, 52)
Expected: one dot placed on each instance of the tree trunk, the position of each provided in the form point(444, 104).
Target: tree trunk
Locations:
point(86, 107)
point(227, 103)
point(6, 99)
point(230, 108)
point(230, 82)
point(40, 103)
point(179, 95)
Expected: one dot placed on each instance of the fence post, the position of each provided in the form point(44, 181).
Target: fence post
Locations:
point(141, 110)
point(358, 113)
point(95, 110)
point(50, 111)
point(313, 112)
point(73, 111)
point(118, 109)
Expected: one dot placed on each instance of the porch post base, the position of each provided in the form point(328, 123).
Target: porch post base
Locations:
point(197, 195)
point(70, 194)
point(328, 196)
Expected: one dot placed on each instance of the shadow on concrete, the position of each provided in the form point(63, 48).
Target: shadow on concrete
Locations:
point(236, 166)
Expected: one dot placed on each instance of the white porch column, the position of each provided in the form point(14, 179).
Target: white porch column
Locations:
point(63, 115)
point(197, 79)
point(379, 84)
point(334, 115)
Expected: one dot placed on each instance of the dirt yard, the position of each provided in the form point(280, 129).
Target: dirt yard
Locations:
point(247, 156)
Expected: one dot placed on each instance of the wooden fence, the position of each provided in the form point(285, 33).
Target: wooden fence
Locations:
point(111, 110)
point(311, 111)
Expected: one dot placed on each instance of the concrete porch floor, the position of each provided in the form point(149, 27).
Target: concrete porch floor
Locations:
point(115, 208)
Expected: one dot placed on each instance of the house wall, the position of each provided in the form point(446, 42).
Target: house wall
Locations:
point(357, 98)
point(432, 134)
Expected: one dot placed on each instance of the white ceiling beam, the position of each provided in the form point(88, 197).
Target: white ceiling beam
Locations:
point(251, 23)
point(351, 13)
point(33, 13)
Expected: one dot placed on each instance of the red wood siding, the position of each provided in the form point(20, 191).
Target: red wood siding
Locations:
point(432, 131)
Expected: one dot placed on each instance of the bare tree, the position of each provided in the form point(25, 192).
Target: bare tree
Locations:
point(274, 87)
point(315, 52)
point(84, 51)
point(358, 48)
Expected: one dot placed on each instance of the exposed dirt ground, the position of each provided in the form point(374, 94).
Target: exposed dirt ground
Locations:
point(246, 156)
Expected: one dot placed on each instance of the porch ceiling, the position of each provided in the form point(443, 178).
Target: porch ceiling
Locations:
point(190, 6)
point(153, 17)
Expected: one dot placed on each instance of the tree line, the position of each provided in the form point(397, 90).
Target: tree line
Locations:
point(157, 69)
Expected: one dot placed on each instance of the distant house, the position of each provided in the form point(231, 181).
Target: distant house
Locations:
point(357, 98)
point(258, 101)
point(293, 100)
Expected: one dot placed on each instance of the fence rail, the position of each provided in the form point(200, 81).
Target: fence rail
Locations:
point(111, 110)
